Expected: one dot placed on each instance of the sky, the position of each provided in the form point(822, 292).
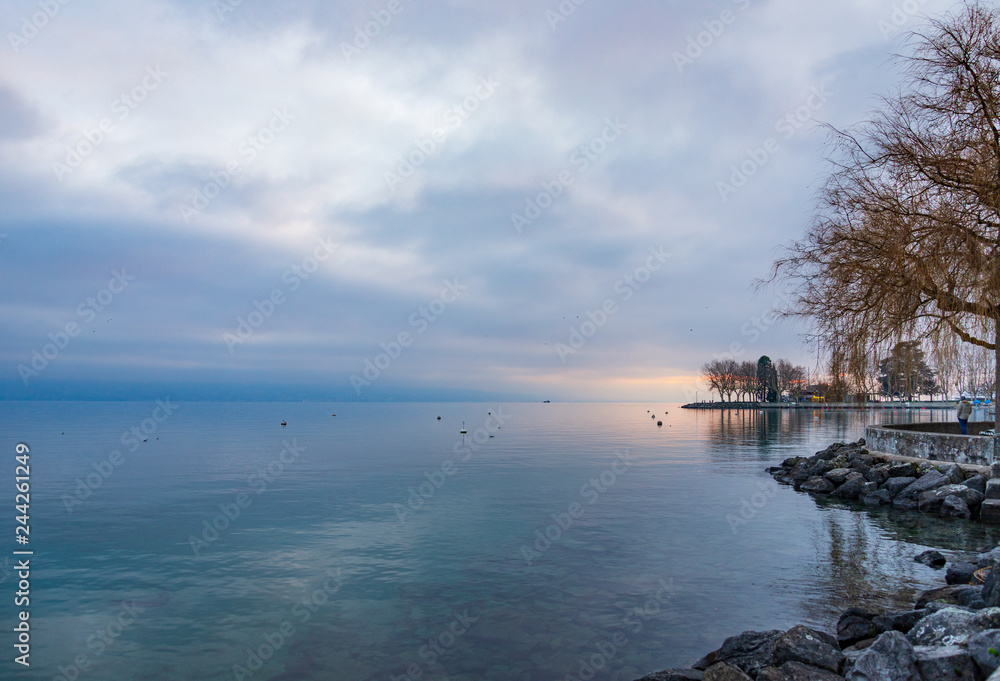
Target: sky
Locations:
point(398, 199)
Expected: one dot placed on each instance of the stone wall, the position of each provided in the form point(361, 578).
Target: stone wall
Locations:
point(938, 441)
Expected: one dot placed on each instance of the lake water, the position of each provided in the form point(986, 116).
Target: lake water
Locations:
point(383, 544)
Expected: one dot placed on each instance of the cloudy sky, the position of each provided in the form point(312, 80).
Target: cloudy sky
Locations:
point(395, 198)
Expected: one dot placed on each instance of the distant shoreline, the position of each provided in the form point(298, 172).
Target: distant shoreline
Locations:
point(865, 406)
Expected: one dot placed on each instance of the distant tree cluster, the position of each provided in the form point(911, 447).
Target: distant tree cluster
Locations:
point(760, 381)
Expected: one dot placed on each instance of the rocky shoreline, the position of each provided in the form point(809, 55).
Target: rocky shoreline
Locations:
point(952, 632)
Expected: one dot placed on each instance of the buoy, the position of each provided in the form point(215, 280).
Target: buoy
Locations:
point(284, 423)
point(463, 431)
point(439, 418)
point(659, 423)
point(334, 414)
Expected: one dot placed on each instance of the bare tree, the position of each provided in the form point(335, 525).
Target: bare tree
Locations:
point(906, 242)
point(791, 378)
point(721, 375)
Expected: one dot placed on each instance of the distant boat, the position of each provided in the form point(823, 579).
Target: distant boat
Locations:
point(547, 402)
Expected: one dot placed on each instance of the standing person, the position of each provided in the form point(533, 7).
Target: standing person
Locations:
point(964, 412)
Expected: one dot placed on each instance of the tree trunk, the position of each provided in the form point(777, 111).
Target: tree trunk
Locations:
point(996, 393)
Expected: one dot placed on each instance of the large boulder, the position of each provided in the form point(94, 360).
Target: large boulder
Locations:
point(984, 648)
point(960, 573)
point(954, 473)
point(932, 500)
point(725, 672)
point(796, 671)
point(966, 595)
point(899, 621)
point(991, 588)
point(818, 485)
point(880, 497)
point(855, 625)
point(989, 511)
point(902, 470)
point(944, 663)
point(750, 651)
point(838, 476)
point(953, 626)
point(955, 507)
point(889, 658)
point(976, 482)
point(896, 485)
point(802, 644)
point(993, 488)
point(926, 482)
point(852, 487)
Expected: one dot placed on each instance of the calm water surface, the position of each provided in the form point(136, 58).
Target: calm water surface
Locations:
point(381, 543)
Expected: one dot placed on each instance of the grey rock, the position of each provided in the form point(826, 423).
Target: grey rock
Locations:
point(957, 594)
point(991, 588)
point(838, 476)
point(984, 648)
point(944, 663)
point(953, 626)
point(889, 658)
point(925, 483)
point(931, 501)
point(993, 488)
point(937, 606)
point(802, 644)
point(851, 489)
point(878, 498)
point(855, 625)
point(674, 675)
point(896, 485)
point(905, 504)
point(976, 482)
point(868, 488)
point(960, 573)
point(989, 511)
point(818, 485)
point(955, 474)
point(899, 621)
point(797, 671)
point(988, 558)
point(954, 507)
point(820, 468)
point(995, 469)
point(725, 672)
point(750, 651)
point(931, 558)
point(902, 470)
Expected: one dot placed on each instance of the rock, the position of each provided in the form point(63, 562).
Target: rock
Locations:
point(902, 470)
point(989, 511)
point(724, 672)
point(991, 589)
point(938, 606)
point(955, 474)
point(851, 489)
point(976, 482)
point(877, 475)
point(820, 468)
point(931, 559)
point(818, 485)
point(674, 675)
point(857, 647)
point(954, 507)
point(879, 498)
point(791, 461)
point(705, 662)
point(926, 467)
point(953, 626)
point(802, 644)
point(988, 558)
point(944, 663)
point(905, 504)
point(925, 483)
point(960, 573)
point(958, 594)
point(932, 501)
point(896, 485)
point(889, 658)
point(855, 625)
point(796, 671)
point(984, 648)
point(993, 488)
point(838, 476)
point(995, 469)
point(750, 651)
point(868, 488)
point(899, 621)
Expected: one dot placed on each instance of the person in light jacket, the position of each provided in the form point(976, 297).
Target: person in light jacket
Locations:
point(964, 412)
